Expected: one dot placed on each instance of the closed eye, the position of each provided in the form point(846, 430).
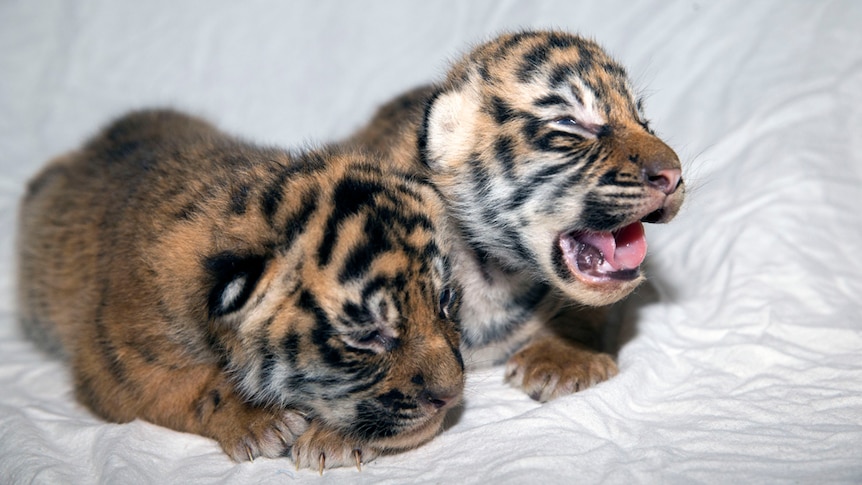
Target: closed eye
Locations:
point(566, 122)
point(375, 340)
point(571, 125)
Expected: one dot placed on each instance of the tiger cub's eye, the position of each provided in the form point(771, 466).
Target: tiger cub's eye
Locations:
point(566, 122)
point(376, 340)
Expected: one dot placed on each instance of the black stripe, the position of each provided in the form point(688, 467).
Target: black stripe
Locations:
point(368, 379)
point(551, 100)
point(349, 197)
point(545, 175)
point(290, 348)
point(356, 314)
point(361, 256)
point(586, 61)
point(564, 41)
point(396, 400)
point(534, 60)
point(599, 216)
point(480, 178)
point(559, 262)
point(431, 251)
point(560, 74)
point(616, 70)
point(550, 141)
point(500, 110)
point(505, 155)
point(577, 93)
point(531, 127)
point(613, 177)
point(456, 351)
point(522, 194)
point(267, 366)
point(484, 72)
point(407, 221)
point(374, 285)
point(373, 423)
point(517, 244)
point(405, 187)
point(623, 196)
point(503, 48)
point(571, 180)
point(239, 199)
point(188, 211)
point(322, 331)
point(295, 223)
point(272, 196)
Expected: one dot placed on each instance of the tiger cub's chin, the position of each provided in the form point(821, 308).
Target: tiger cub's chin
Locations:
point(282, 304)
point(549, 169)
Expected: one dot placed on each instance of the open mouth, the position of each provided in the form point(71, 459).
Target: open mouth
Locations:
point(600, 256)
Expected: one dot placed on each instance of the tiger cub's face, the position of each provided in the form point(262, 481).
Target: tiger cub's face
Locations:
point(344, 308)
point(546, 158)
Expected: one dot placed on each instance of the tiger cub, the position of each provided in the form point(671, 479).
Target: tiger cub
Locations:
point(282, 304)
point(549, 170)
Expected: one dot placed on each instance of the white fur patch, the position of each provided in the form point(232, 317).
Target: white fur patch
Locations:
point(586, 112)
point(450, 127)
point(232, 291)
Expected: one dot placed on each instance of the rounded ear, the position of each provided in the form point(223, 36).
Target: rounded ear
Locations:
point(234, 278)
point(451, 124)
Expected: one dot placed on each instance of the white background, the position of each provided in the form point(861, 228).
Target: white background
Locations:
point(742, 361)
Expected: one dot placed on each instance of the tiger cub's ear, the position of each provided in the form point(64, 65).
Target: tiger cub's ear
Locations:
point(233, 279)
point(452, 121)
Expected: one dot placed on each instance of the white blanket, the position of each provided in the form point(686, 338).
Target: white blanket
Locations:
point(741, 363)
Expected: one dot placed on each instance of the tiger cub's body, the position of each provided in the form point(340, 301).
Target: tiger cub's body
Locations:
point(548, 168)
point(278, 303)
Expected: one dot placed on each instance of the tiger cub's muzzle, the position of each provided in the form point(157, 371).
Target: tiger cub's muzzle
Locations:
point(647, 174)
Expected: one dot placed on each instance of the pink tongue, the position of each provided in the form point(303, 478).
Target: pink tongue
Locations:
point(624, 249)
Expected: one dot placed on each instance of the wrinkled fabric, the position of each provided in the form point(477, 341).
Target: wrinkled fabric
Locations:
point(741, 359)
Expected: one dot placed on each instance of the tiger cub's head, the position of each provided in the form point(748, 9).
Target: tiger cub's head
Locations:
point(541, 148)
point(330, 291)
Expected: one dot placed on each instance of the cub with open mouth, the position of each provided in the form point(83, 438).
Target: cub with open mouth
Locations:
point(549, 169)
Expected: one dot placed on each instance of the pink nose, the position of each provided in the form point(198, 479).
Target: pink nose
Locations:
point(665, 180)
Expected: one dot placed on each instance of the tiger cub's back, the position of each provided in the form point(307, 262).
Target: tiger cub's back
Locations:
point(64, 222)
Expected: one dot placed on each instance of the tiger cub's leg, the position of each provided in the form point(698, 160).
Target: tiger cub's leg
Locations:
point(321, 447)
point(563, 358)
point(245, 431)
point(195, 398)
point(549, 367)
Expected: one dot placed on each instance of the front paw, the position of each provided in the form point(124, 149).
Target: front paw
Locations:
point(550, 367)
point(261, 432)
point(320, 448)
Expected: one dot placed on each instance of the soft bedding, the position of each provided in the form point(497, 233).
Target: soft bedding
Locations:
point(741, 360)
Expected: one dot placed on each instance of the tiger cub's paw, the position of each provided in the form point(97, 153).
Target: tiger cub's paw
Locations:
point(549, 368)
point(262, 432)
point(321, 448)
